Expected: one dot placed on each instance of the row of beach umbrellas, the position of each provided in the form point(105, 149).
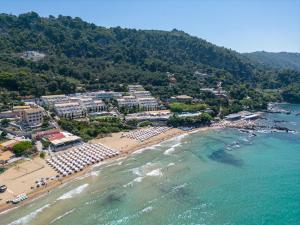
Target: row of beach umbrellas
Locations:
point(74, 160)
point(144, 134)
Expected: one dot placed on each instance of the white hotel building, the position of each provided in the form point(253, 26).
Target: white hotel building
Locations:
point(140, 98)
point(127, 102)
point(148, 103)
point(79, 107)
point(51, 100)
point(69, 110)
point(142, 94)
point(89, 104)
point(134, 88)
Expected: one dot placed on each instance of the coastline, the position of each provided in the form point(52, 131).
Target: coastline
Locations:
point(110, 142)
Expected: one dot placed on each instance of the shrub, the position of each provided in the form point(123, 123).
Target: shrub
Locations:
point(2, 170)
point(42, 155)
point(45, 143)
point(145, 124)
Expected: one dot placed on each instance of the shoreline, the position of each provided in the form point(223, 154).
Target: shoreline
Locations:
point(36, 193)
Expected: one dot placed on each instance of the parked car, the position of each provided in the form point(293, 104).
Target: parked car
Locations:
point(2, 188)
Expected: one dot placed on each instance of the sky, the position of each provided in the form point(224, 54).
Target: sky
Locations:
point(242, 25)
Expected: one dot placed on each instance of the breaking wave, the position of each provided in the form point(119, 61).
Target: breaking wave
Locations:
point(73, 192)
point(26, 219)
point(172, 149)
point(143, 172)
point(155, 173)
point(140, 171)
point(126, 219)
point(179, 137)
point(153, 147)
point(147, 209)
point(171, 164)
point(63, 215)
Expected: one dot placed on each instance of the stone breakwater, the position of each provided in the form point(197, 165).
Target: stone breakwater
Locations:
point(252, 125)
point(239, 124)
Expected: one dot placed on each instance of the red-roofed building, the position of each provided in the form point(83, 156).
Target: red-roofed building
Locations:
point(56, 136)
point(42, 134)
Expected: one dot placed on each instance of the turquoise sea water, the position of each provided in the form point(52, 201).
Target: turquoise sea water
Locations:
point(222, 177)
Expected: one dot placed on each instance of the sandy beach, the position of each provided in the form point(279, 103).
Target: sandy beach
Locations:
point(22, 177)
point(126, 145)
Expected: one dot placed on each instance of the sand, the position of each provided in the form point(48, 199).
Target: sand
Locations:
point(126, 145)
point(20, 178)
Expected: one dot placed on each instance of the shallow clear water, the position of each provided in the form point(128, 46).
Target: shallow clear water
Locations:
point(215, 177)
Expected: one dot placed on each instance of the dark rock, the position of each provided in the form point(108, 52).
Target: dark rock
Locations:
point(113, 198)
point(282, 128)
point(224, 157)
point(280, 121)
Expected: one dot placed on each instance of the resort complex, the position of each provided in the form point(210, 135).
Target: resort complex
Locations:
point(38, 134)
point(66, 134)
point(81, 104)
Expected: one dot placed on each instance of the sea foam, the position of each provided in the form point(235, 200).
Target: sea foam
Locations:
point(155, 173)
point(171, 164)
point(61, 216)
point(147, 209)
point(26, 219)
point(73, 192)
point(139, 171)
point(172, 149)
point(153, 147)
point(142, 172)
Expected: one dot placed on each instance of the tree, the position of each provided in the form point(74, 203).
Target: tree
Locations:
point(3, 135)
point(291, 94)
point(201, 120)
point(22, 147)
point(82, 56)
point(53, 86)
point(96, 127)
point(182, 107)
point(133, 123)
point(5, 122)
point(46, 120)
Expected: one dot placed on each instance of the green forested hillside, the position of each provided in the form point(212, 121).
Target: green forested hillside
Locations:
point(281, 60)
point(82, 56)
